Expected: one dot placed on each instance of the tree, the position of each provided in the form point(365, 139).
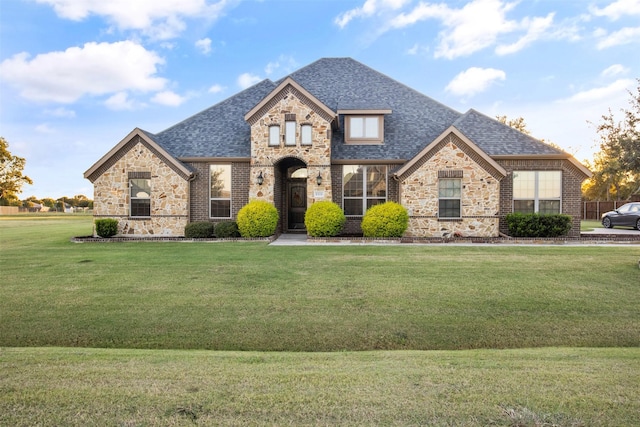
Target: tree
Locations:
point(518, 124)
point(617, 165)
point(11, 177)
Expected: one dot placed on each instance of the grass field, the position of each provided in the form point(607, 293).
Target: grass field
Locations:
point(577, 305)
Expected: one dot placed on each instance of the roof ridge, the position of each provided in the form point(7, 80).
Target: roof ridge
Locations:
point(532, 138)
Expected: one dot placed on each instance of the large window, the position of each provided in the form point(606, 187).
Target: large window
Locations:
point(537, 191)
point(449, 194)
point(363, 187)
point(140, 192)
point(363, 129)
point(220, 190)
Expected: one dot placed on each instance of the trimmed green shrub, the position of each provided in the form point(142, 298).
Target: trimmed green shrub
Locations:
point(324, 219)
point(388, 219)
point(199, 230)
point(537, 225)
point(106, 227)
point(257, 219)
point(227, 229)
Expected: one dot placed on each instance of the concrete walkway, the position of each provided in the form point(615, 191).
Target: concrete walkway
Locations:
point(290, 239)
point(599, 239)
point(613, 231)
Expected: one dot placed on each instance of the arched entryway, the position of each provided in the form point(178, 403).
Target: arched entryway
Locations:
point(291, 196)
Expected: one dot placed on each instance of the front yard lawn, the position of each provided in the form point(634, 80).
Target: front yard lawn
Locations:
point(518, 335)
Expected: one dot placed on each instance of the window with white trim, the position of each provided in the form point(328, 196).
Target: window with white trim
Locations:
point(363, 186)
point(305, 134)
point(274, 135)
point(220, 191)
point(537, 192)
point(140, 197)
point(449, 198)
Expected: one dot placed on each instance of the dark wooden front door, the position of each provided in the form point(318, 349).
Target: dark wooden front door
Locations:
point(296, 204)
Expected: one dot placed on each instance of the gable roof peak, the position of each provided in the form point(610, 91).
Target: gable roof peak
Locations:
point(286, 85)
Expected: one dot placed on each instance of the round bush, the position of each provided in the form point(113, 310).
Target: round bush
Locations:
point(388, 219)
point(324, 219)
point(199, 230)
point(257, 219)
point(227, 229)
point(106, 227)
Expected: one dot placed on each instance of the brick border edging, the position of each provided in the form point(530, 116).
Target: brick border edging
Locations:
point(91, 239)
point(583, 239)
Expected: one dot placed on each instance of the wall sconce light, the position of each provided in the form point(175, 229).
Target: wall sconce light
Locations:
point(260, 179)
point(319, 179)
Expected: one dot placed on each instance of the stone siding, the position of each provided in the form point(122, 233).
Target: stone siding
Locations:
point(480, 196)
point(169, 195)
point(265, 158)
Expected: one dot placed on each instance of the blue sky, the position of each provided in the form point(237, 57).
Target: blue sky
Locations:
point(76, 76)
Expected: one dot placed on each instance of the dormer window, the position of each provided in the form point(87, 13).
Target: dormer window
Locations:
point(364, 126)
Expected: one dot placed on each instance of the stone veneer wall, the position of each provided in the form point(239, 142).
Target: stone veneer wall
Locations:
point(480, 198)
point(571, 188)
point(169, 195)
point(316, 156)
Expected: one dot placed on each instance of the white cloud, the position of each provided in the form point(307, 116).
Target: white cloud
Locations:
point(624, 36)
point(119, 101)
point(369, 8)
point(45, 128)
point(417, 49)
point(475, 26)
point(160, 19)
point(204, 45)
point(615, 70)
point(247, 80)
point(94, 69)
point(474, 80)
point(284, 62)
point(61, 112)
point(603, 93)
point(536, 29)
point(618, 9)
point(216, 88)
point(168, 98)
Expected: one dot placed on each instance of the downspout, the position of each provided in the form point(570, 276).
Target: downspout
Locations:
point(191, 178)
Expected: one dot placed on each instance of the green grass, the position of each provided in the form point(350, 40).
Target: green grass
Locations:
point(491, 304)
point(589, 225)
point(531, 387)
point(251, 296)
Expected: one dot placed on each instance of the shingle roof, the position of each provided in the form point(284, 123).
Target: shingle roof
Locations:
point(344, 84)
point(498, 139)
point(218, 131)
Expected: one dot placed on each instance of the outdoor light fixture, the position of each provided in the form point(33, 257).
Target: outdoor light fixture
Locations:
point(319, 179)
point(260, 178)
